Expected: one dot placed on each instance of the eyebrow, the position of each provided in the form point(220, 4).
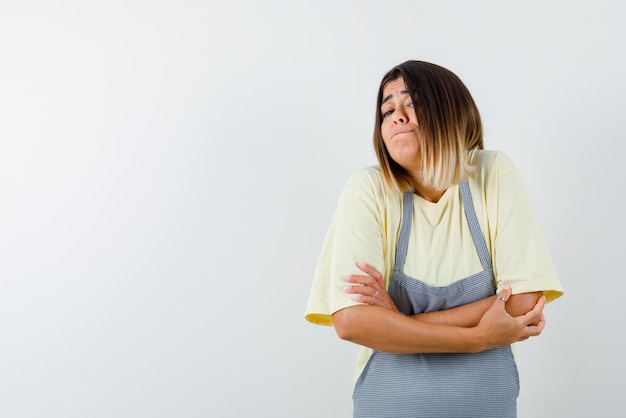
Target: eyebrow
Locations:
point(386, 99)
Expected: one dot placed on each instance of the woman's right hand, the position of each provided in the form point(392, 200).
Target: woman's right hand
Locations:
point(369, 288)
point(497, 328)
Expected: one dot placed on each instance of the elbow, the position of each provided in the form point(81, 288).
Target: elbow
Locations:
point(344, 322)
point(522, 303)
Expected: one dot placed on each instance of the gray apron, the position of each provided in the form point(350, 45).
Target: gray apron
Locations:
point(477, 385)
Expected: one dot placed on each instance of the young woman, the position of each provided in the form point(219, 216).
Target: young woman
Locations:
point(434, 262)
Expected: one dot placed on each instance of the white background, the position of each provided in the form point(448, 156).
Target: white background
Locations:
point(168, 170)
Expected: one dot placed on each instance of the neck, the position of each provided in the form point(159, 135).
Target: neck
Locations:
point(429, 193)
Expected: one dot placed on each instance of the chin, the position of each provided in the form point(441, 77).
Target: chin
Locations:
point(406, 159)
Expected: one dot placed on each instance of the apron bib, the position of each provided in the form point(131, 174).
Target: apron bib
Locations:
point(478, 385)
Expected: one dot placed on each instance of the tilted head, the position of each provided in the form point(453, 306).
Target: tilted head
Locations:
point(447, 122)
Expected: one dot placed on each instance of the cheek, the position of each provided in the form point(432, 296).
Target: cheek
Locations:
point(385, 131)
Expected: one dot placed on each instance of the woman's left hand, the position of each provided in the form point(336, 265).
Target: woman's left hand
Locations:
point(369, 288)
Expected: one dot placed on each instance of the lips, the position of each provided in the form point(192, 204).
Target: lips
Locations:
point(400, 131)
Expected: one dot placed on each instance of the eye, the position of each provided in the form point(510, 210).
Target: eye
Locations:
point(387, 113)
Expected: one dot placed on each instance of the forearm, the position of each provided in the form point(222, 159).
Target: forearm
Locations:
point(394, 332)
point(462, 316)
point(469, 315)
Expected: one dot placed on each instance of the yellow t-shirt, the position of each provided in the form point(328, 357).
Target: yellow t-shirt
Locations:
point(366, 226)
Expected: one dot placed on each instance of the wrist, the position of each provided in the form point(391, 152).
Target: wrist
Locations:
point(477, 340)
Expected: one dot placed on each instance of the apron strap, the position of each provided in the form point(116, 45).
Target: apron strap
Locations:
point(405, 231)
point(477, 235)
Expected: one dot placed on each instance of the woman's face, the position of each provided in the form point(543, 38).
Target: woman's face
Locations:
point(399, 128)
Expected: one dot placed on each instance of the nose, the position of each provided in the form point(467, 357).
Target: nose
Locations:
point(399, 116)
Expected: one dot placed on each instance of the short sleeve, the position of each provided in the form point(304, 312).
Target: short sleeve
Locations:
point(519, 251)
point(356, 233)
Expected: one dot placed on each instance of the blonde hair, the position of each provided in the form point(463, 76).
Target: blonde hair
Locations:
point(449, 126)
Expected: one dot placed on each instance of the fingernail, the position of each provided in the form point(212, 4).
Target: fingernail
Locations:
point(356, 297)
point(361, 264)
point(506, 287)
point(346, 288)
point(345, 278)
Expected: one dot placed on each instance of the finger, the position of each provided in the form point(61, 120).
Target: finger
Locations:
point(504, 294)
point(356, 290)
point(535, 330)
point(541, 324)
point(371, 296)
point(360, 279)
point(368, 299)
point(536, 313)
point(533, 320)
point(371, 271)
point(362, 290)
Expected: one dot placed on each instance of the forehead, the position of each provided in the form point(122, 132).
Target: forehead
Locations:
point(394, 88)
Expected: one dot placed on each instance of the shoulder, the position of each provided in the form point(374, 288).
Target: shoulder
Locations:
point(488, 163)
point(367, 188)
point(366, 177)
point(367, 181)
